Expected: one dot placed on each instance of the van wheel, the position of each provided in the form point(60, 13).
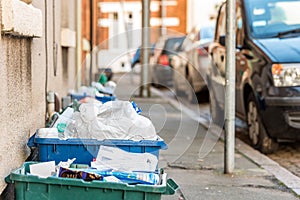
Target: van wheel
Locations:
point(257, 133)
point(217, 115)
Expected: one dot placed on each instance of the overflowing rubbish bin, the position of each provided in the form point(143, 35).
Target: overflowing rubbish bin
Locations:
point(102, 90)
point(30, 187)
point(95, 151)
point(85, 150)
point(101, 98)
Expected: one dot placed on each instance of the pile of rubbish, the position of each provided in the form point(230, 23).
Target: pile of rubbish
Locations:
point(113, 120)
point(94, 120)
point(112, 165)
point(104, 142)
point(103, 90)
point(81, 133)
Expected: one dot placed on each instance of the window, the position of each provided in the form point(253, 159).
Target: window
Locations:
point(270, 17)
point(221, 28)
point(239, 27)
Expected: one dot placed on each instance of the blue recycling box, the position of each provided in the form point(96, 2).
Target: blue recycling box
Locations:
point(85, 150)
point(105, 99)
point(102, 99)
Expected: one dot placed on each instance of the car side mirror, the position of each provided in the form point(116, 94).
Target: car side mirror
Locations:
point(222, 40)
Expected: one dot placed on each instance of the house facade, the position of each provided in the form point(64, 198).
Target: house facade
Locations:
point(118, 28)
point(45, 48)
point(37, 58)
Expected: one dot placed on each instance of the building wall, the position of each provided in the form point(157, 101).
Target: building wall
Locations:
point(120, 23)
point(178, 11)
point(86, 36)
point(201, 12)
point(68, 52)
point(18, 117)
point(175, 10)
point(27, 68)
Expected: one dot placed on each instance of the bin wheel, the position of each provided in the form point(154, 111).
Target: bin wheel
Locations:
point(33, 154)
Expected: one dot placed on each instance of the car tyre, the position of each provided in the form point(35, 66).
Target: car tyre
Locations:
point(217, 114)
point(154, 83)
point(178, 92)
point(191, 94)
point(257, 132)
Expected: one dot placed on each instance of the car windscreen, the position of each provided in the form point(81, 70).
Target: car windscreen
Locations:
point(172, 44)
point(269, 18)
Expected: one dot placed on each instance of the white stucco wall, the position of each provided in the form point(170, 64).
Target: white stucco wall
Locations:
point(20, 18)
point(199, 12)
point(26, 74)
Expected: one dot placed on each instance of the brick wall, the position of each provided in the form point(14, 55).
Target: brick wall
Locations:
point(178, 11)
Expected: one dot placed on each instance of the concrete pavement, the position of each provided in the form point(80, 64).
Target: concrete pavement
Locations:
point(195, 160)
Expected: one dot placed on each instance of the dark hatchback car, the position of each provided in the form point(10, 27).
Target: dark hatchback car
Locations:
point(162, 70)
point(267, 70)
point(191, 63)
point(136, 59)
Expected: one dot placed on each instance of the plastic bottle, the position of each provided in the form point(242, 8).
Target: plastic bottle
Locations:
point(71, 130)
point(61, 127)
point(102, 79)
point(136, 108)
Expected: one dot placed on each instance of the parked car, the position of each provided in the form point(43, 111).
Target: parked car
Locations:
point(191, 63)
point(162, 71)
point(267, 70)
point(136, 59)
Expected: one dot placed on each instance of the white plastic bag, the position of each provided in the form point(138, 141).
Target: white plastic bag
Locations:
point(115, 120)
point(118, 119)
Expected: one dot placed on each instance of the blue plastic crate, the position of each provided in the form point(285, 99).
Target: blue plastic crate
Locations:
point(105, 99)
point(102, 99)
point(78, 97)
point(85, 150)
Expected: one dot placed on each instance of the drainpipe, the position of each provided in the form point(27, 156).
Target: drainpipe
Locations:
point(79, 43)
point(91, 40)
point(50, 103)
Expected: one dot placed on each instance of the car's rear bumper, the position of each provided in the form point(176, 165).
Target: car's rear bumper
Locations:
point(164, 75)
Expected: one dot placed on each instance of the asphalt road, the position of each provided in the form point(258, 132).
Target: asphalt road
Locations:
point(183, 161)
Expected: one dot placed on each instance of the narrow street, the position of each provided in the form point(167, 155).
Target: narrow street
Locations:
point(288, 154)
point(196, 173)
point(60, 58)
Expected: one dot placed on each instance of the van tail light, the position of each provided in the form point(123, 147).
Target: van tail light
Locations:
point(163, 60)
point(202, 51)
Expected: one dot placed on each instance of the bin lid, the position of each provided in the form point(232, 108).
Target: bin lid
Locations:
point(34, 140)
